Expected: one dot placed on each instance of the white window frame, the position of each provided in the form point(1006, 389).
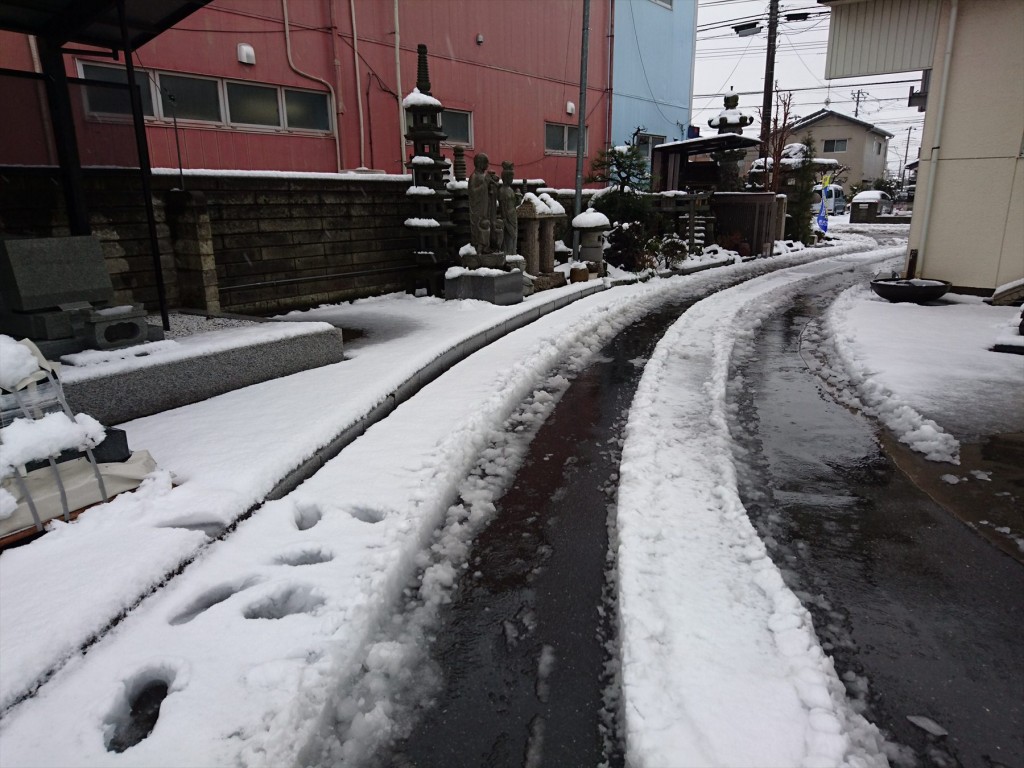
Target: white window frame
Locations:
point(653, 140)
point(222, 102)
point(469, 116)
point(833, 151)
point(80, 66)
point(226, 106)
point(160, 116)
point(283, 98)
point(565, 139)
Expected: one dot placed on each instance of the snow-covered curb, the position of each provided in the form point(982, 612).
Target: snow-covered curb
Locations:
point(911, 428)
point(94, 363)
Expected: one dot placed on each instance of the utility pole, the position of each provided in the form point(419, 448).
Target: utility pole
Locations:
point(857, 96)
point(769, 77)
point(581, 130)
point(906, 151)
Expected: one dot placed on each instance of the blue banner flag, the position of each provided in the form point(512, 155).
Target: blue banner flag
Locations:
point(822, 212)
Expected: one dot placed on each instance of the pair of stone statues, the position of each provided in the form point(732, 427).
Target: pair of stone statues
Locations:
point(493, 220)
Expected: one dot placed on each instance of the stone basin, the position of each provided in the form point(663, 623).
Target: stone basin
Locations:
point(916, 290)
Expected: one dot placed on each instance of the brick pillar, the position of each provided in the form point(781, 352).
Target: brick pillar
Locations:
point(192, 239)
point(547, 246)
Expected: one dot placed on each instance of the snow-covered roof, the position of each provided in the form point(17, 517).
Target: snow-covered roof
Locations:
point(417, 99)
point(822, 114)
point(591, 219)
point(869, 196)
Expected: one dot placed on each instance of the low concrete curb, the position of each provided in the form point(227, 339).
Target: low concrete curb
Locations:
point(129, 395)
point(416, 382)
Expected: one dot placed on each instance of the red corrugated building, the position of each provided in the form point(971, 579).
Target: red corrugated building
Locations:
point(313, 85)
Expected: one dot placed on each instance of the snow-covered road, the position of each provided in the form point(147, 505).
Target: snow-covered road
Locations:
point(256, 636)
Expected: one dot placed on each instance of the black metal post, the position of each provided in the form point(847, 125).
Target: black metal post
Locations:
point(63, 124)
point(139, 122)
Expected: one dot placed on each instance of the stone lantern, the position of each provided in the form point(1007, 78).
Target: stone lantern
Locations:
point(731, 119)
point(593, 226)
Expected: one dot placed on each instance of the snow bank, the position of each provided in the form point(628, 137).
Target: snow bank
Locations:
point(25, 440)
point(720, 662)
point(18, 362)
point(914, 384)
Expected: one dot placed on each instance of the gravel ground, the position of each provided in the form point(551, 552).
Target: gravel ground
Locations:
point(189, 325)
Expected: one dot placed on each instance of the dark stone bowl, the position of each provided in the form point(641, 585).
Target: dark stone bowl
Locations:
point(915, 290)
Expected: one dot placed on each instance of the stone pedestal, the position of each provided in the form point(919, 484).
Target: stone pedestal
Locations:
point(503, 288)
point(529, 242)
point(547, 245)
point(579, 275)
point(592, 248)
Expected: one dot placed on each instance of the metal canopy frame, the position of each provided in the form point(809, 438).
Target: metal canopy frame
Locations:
point(121, 26)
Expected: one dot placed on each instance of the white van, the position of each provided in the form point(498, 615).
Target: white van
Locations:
point(835, 199)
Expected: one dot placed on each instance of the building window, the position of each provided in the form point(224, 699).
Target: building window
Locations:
point(878, 147)
point(647, 142)
point(834, 145)
point(307, 110)
point(253, 105)
point(562, 138)
point(114, 101)
point(208, 99)
point(458, 126)
point(189, 98)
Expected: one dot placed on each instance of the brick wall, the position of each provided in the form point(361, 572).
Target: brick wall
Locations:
point(251, 244)
point(32, 204)
point(282, 243)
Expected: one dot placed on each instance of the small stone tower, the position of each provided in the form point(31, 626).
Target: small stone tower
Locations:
point(432, 222)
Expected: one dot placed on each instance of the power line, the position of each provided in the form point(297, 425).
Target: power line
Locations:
point(809, 88)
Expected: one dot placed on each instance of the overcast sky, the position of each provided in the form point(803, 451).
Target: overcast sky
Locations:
point(726, 60)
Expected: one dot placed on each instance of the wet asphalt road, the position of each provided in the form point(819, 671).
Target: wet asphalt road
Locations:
point(523, 648)
point(923, 617)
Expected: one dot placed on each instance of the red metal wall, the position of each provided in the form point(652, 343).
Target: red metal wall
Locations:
point(520, 76)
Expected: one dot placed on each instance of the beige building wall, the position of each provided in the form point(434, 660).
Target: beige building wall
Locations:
point(859, 156)
point(975, 235)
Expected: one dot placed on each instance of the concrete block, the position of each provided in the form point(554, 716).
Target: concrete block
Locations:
point(503, 289)
point(130, 395)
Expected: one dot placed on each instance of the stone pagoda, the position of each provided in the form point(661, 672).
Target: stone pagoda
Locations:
point(432, 223)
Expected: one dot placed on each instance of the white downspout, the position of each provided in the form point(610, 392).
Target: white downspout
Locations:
point(330, 88)
point(933, 159)
point(398, 90)
point(359, 87)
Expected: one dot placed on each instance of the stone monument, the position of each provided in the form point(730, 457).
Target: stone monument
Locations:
point(57, 292)
point(484, 229)
point(508, 202)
